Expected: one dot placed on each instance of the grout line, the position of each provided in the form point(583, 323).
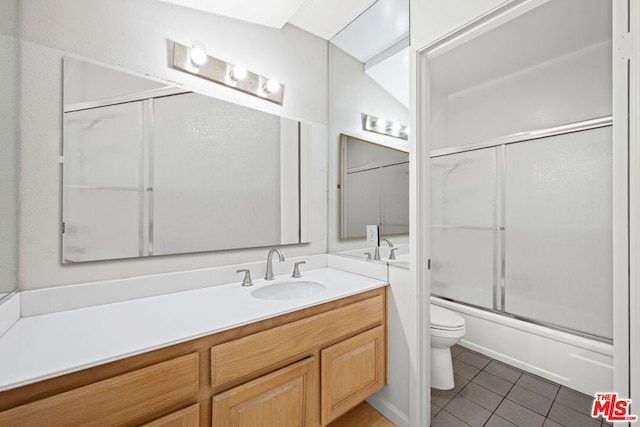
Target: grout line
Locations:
point(503, 398)
point(553, 401)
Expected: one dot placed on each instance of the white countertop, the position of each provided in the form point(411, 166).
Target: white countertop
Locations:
point(49, 345)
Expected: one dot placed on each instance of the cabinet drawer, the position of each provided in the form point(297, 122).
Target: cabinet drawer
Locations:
point(187, 417)
point(283, 398)
point(113, 401)
point(239, 358)
point(352, 370)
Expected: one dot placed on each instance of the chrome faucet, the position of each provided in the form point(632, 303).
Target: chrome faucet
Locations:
point(296, 269)
point(376, 252)
point(269, 274)
point(247, 277)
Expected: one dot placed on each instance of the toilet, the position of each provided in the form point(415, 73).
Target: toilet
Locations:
point(447, 328)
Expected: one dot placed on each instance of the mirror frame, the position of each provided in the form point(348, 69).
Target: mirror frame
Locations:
point(304, 141)
point(341, 184)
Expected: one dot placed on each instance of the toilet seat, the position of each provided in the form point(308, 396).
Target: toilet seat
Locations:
point(445, 320)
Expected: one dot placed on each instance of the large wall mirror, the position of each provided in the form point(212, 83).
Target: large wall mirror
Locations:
point(153, 170)
point(9, 146)
point(369, 75)
point(374, 188)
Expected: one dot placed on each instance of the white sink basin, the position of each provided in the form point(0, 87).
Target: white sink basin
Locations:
point(288, 290)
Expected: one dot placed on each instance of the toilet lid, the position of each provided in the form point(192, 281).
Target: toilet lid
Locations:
point(441, 318)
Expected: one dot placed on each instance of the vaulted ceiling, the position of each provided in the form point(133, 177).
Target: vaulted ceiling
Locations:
point(324, 18)
point(375, 32)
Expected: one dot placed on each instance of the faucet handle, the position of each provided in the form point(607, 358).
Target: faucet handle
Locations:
point(296, 269)
point(368, 254)
point(392, 254)
point(247, 277)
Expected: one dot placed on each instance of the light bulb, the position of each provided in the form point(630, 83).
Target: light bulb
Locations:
point(272, 86)
point(239, 73)
point(381, 124)
point(395, 127)
point(198, 54)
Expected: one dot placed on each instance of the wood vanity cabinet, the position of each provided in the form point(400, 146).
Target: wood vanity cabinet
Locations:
point(283, 398)
point(351, 371)
point(304, 368)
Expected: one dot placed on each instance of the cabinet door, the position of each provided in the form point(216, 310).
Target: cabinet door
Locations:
point(187, 417)
point(283, 398)
point(120, 400)
point(351, 371)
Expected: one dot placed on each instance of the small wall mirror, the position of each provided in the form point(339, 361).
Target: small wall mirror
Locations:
point(374, 188)
point(154, 170)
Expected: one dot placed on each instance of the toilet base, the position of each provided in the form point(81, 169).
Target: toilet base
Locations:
point(441, 369)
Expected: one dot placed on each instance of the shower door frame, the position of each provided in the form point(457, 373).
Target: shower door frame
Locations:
point(500, 285)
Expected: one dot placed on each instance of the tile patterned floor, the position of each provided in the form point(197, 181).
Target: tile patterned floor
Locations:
point(492, 394)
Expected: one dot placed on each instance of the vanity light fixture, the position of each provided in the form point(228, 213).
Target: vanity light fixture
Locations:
point(194, 60)
point(384, 127)
point(198, 54)
point(272, 86)
point(239, 73)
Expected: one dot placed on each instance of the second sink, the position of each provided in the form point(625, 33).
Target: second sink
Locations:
point(288, 290)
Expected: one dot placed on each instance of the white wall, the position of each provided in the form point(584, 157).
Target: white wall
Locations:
point(564, 90)
point(352, 92)
point(434, 19)
point(393, 399)
point(135, 36)
point(9, 46)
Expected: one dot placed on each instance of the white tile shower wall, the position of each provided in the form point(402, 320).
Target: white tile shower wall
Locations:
point(52, 29)
point(9, 312)
point(61, 298)
point(551, 101)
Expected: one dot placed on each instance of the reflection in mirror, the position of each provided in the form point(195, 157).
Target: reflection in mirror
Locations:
point(9, 46)
point(374, 184)
point(152, 170)
point(368, 75)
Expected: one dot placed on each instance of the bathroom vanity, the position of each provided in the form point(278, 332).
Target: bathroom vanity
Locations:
point(265, 372)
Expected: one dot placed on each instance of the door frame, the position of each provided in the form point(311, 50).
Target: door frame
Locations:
point(626, 199)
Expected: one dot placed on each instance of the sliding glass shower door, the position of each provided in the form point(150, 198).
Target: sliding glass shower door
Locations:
point(464, 226)
point(558, 239)
point(525, 228)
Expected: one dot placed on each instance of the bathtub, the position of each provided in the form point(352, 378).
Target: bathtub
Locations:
point(580, 363)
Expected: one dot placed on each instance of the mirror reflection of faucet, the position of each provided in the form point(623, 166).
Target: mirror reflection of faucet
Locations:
point(391, 254)
point(388, 242)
